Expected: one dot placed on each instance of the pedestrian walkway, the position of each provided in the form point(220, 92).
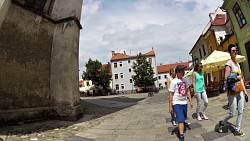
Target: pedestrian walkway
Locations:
point(146, 120)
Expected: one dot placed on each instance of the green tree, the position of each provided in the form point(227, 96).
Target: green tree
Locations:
point(98, 74)
point(144, 74)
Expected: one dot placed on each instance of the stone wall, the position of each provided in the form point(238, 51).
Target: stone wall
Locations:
point(39, 63)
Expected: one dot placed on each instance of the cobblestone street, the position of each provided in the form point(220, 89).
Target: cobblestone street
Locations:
point(130, 117)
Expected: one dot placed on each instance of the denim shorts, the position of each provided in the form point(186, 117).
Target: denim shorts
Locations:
point(181, 112)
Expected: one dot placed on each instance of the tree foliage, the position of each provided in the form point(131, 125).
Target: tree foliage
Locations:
point(144, 74)
point(98, 74)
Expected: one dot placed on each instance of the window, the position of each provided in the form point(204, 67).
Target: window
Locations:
point(115, 65)
point(117, 86)
point(116, 76)
point(87, 83)
point(122, 86)
point(159, 77)
point(120, 64)
point(165, 76)
point(130, 80)
point(239, 15)
point(211, 48)
point(37, 5)
point(221, 38)
point(129, 70)
point(204, 51)
point(200, 53)
point(150, 60)
point(128, 61)
point(121, 75)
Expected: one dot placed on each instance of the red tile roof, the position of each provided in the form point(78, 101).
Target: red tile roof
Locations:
point(166, 68)
point(220, 19)
point(120, 56)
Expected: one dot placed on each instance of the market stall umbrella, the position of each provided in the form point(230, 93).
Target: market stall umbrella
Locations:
point(218, 59)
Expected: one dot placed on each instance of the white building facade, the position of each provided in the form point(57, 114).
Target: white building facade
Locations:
point(122, 72)
point(164, 72)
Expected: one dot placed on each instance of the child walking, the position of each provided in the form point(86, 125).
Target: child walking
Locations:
point(178, 99)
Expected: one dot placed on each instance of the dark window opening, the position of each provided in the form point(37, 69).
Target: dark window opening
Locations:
point(200, 53)
point(239, 15)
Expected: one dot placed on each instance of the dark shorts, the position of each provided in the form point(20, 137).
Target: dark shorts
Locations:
point(181, 112)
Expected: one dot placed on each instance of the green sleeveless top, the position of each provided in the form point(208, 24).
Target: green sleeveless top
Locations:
point(199, 82)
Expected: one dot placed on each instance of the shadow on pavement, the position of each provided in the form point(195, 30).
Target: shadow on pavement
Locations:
point(90, 111)
point(212, 135)
point(175, 131)
point(76, 138)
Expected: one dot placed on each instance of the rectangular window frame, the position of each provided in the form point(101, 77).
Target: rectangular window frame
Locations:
point(116, 76)
point(200, 53)
point(239, 15)
point(165, 76)
point(115, 65)
point(204, 51)
point(122, 86)
point(117, 86)
point(121, 75)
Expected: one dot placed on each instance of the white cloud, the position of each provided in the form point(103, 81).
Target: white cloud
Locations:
point(170, 26)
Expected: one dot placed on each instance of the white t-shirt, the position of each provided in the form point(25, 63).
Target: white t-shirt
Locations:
point(179, 88)
point(234, 68)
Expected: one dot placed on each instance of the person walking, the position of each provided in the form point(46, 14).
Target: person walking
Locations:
point(236, 101)
point(169, 79)
point(178, 99)
point(200, 91)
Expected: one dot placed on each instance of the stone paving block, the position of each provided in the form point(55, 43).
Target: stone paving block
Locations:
point(228, 137)
point(133, 127)
point(77, 138)
point(124, 132)
point(157, 131)
point(145, 122)
point(99, 131)
point(97, 136)
point(108, 127)
point(121, 127)
point(212, 135)
point(136, 138)
point(163, 125)
point(167, 120)
point(134, 122)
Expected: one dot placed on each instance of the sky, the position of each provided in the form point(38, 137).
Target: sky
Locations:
point(170, 27)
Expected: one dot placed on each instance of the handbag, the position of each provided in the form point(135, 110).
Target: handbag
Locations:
point(239, 88)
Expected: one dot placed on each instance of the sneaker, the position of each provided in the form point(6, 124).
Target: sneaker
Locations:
point(186, 123)
point(204, 117)
point(174, 123)
point(199, 118)
point(239, 133)
point(182, 137)
point(220, 127)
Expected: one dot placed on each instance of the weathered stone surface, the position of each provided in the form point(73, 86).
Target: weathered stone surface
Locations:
point(39, 61)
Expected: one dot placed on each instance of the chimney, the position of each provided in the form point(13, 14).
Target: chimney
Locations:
point(113, 53)
point(152, 48)
point(124, 52)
